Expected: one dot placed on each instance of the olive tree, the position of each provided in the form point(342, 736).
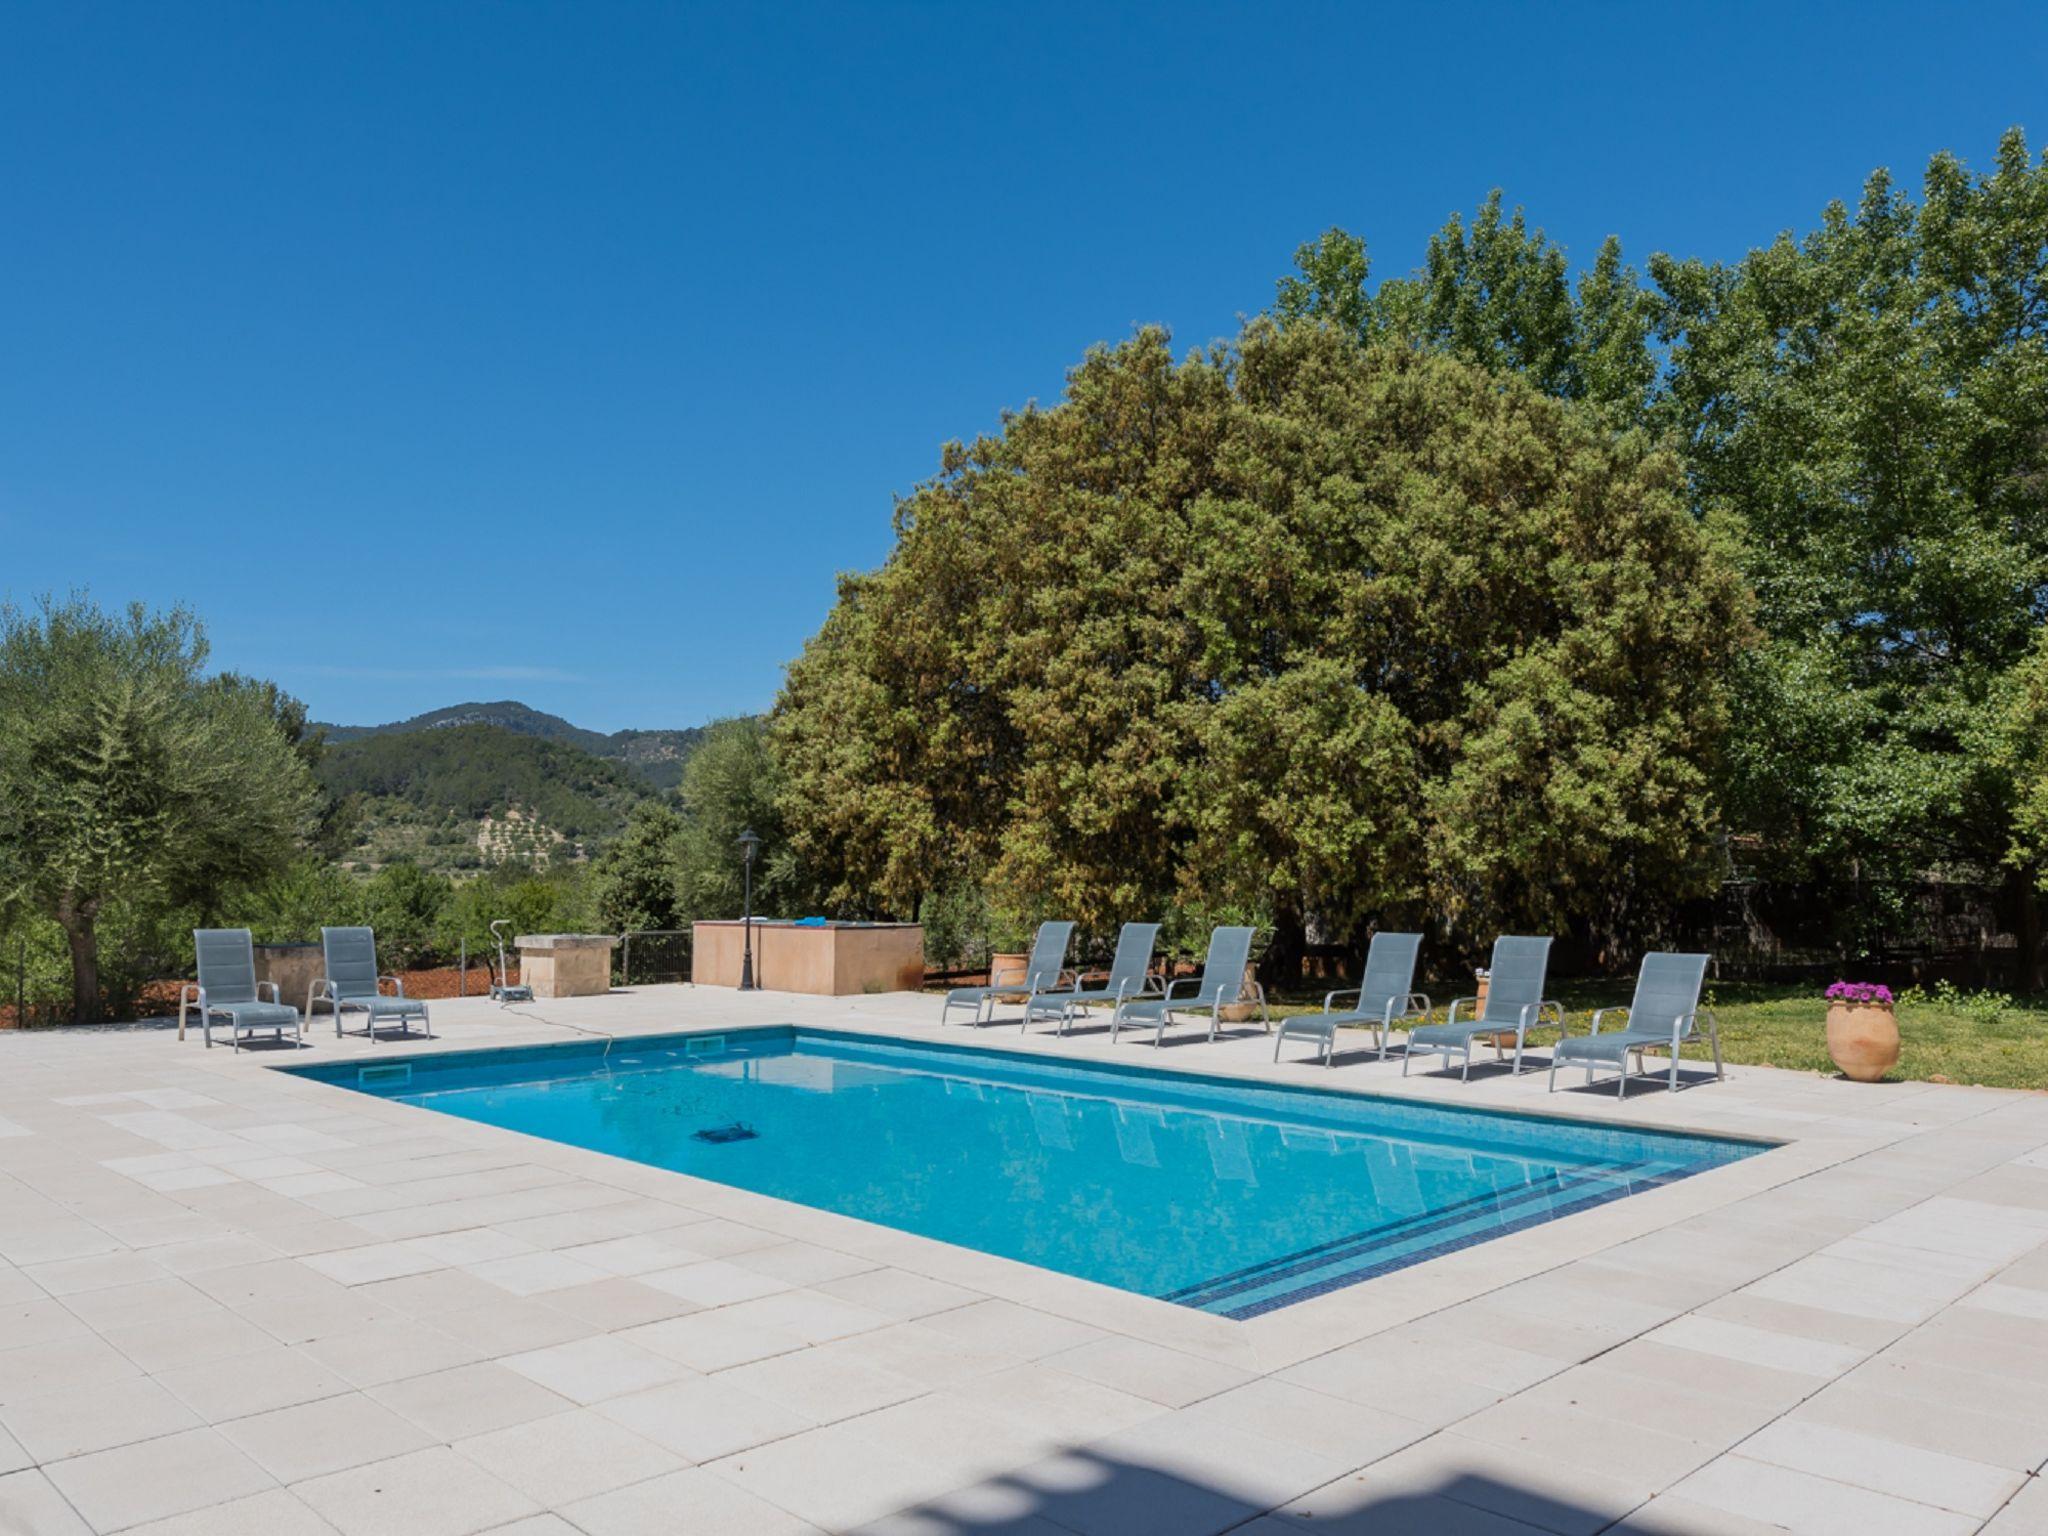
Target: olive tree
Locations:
point(127, 774)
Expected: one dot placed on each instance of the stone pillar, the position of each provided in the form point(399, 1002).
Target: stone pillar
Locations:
point(566, 964)
point(294, 967)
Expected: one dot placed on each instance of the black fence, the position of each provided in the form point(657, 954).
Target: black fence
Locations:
point(1904, 932)
point(647, 956)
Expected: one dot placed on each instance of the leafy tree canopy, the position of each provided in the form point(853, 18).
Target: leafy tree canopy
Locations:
point(1868, 407)
point(1872, 403)
point(1330, 630)
point(126, 775)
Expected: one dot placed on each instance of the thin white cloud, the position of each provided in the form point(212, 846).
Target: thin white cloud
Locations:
point(445, 674)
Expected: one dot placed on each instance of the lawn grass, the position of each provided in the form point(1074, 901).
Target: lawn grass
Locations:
point(1786, 1026)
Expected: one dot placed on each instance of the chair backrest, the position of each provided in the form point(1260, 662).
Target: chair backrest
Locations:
point(1667, 988)
point(227, 964)
point(1230, 951)
point(1048, 956)
point(351, 956)
point(1520, 967)
point(1133, 958)
point(1389, 973)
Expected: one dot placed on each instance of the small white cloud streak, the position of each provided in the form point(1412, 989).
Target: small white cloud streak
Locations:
point(446, 674)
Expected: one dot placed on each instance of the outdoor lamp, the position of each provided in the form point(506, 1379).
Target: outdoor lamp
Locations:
point(749, 846)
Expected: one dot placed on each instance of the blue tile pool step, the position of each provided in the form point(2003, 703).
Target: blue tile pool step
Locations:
point(1231, 1197)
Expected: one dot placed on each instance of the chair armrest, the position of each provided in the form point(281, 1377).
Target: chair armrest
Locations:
point(1330, 1001)
point(275, 995)
point(1601, 1013)
point(1456, 1004)
point(1184, 981)
point(397, 985)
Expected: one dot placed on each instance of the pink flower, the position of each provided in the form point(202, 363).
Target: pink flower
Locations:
point(1860, 992)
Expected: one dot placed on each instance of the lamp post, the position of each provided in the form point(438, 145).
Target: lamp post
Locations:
point(749, 846)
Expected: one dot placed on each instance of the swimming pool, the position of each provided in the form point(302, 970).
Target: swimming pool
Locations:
point(1230, 1197)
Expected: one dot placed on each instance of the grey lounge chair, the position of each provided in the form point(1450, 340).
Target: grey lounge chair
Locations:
point(1383, 993)
point(1665, 1014)
point(1130, 975)
point(1515, 1004)
point(1220, 984)
point(1044, 972)
point(228, 992)
point(352, 985)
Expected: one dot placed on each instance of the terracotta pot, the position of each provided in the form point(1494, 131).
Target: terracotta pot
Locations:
point(1008, 967)
point(1500, 1042)
point(1863, 1039)
point(1237, 1013)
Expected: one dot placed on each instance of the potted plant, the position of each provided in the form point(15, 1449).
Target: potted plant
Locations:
point(1863, 1029)
point(1009, 958)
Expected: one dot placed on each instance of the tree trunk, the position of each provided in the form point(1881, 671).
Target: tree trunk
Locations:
point(76, 918)
point(2027, 929)
point(1282, 967)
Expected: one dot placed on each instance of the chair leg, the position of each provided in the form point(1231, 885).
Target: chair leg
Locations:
point(1553, 1074)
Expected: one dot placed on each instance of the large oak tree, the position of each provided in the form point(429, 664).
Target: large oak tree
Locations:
point(1326, 631)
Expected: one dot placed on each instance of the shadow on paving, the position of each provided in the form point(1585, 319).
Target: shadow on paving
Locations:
point(1087, 1493)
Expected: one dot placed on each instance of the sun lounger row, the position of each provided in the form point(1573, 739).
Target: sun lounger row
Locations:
point(229, 995)
point(1664, 1015)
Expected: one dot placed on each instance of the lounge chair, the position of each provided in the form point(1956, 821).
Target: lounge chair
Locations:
point(351, 985)
point(229, 993)
point(1383, 994)
point(1665, 1014)
point(1515, 1004)
point(1130, 975)
point(1221, 983)
point(1044, 972)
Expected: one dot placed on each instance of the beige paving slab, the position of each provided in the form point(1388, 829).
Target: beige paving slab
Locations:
point(326, 1435)
point(710, 1505)
point(317, 1255)
point(1809, 1505)
point(427, 1493)
point(468, 1400)
point(277, 1377)
point(568, 1456)
point(157, 1478)
point(278, 1512)
point(50, 1426)
point(591, 1370)
point(705, 1417)
point(1883, 1464)
point(31, 1503)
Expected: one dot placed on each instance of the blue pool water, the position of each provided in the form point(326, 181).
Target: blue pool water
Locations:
point(1214, 1194)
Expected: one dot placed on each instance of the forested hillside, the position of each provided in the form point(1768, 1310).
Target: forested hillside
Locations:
point(468, 796)
point(655, 755)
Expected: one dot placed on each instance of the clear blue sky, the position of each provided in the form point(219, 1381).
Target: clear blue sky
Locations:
point(566, 352)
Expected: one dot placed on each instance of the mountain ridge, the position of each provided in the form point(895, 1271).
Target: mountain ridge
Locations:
point(654, 755)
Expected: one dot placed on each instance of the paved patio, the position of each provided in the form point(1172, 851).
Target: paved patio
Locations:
point(236, 1302)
